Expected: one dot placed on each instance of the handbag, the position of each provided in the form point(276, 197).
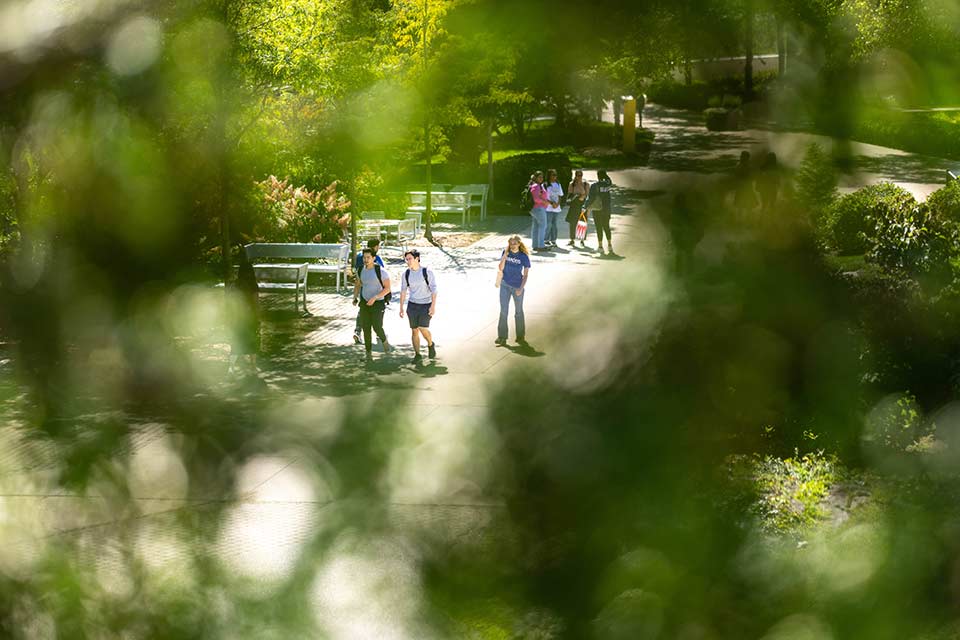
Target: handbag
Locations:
point(582, 227)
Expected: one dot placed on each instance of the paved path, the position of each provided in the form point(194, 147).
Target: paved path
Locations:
point(684, 150)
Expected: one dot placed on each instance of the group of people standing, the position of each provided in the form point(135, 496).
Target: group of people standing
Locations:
point(549, 199)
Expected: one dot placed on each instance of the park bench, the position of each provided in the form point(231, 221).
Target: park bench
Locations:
point(307, 256)
point(478, 196)
point(953, 174)
point(442, 202)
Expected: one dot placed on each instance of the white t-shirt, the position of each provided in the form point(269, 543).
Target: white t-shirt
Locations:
point(554, 194)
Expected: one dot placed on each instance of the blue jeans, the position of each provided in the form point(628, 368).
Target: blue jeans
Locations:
point(552, 217)
point(539, 229)
point(507, 292)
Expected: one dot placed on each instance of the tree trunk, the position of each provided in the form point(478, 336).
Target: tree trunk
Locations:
point(428, 215)
point(617, 107)
point(687, 71)
point(748, 64)
point(490, 159)
point(781, 48)
point(561, 111)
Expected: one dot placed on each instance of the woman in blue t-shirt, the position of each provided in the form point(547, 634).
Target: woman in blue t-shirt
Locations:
point(512, 279)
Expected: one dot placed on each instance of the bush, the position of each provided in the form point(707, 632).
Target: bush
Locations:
point(719, 119)
point(694, 97)
point(511, 174)
point(816, 182)
point(849, 226)
point(910, 240)
point(297, 214)
point(935, 134)
point(944, 203)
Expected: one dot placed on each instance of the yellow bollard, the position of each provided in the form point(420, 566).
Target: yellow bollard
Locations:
point(629, 124)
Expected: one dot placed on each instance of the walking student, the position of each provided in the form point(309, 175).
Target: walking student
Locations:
point(576, 196)
point(554, 195)
point(600, 197)
point(421, 286)
point(374, 245)
point(245, 312)
point(538, 194)
point(371, 291)
point(512, 279)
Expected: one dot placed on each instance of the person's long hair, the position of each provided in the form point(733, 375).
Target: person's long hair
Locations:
point(577, 179)
point(520, 244)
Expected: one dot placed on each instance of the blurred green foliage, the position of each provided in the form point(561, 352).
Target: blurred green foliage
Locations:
point(133, 140)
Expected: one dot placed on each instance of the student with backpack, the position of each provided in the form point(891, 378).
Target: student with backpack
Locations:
point(538, 211)
point(374, 245)
point(372, 291)
point(421, 285)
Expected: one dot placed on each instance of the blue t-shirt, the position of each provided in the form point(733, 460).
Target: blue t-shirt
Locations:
point(358, 263)
point(513, 268)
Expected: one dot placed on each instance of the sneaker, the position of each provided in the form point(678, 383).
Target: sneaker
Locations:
point(432, 351)
point(571, 244)
point(583, 244)
point(357, 338)
point(387, 347)
point(600, 249)
point(417, 359)
point(500, 342)
point(610, 250)
point(523, 342)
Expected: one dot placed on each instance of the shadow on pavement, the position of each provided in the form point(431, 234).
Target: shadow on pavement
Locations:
point(527, 350)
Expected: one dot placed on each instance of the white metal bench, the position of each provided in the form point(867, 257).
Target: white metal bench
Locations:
point(442, 202)
point(321, 258)
point(283, 277)
point(478, 196)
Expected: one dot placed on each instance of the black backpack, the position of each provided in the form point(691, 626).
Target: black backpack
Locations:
point(386, 298)
point(526, 199)
point(425, 278)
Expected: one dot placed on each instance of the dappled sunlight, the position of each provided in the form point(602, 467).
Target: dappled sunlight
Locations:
point(443, 457)
point(135, 45)
point(369, 588)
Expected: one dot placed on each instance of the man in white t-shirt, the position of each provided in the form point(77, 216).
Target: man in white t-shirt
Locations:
point(421, 287)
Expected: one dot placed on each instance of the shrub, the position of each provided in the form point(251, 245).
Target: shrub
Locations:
point(849, 224)
point(719, 119)
point(511, 174)
point(816, 182)
point(910, 240)
point(945, 202)
point(895, 423)
point(297, 214)
point(792, 490)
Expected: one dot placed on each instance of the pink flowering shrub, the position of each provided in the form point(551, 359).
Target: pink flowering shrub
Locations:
point(297, 214)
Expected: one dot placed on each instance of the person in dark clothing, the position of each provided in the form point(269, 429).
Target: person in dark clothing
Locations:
point(369, 291)
point(577, 195)
point(768, 183)
point(245, 312)
point(687, 227)
point(374, 245)
point(599, 201)
point(744, 197)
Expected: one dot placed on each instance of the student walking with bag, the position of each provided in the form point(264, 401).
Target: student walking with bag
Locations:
point(577, 195)
point(372, 291)
point(512, 279)
point(374, 245)
point(599, 201)
point(421, 286)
